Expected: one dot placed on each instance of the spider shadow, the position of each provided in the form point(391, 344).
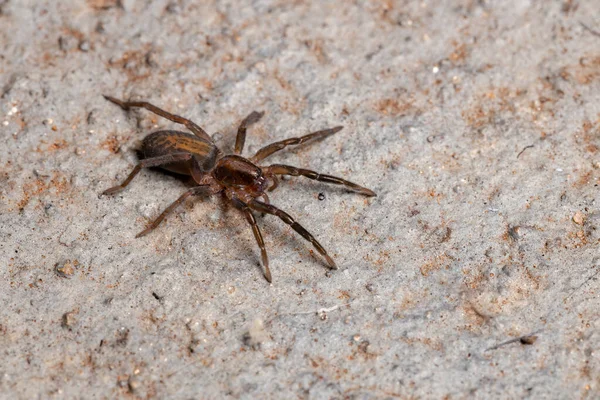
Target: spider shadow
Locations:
point(274, 232)
point(236, 227)
point(232, 227)
point(273, 229)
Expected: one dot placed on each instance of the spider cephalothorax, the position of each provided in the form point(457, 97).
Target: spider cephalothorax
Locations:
point(240, 179)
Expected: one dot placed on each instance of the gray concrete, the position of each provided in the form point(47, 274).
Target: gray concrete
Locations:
point(476, 122)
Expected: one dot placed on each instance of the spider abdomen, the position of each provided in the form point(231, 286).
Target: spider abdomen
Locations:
point(163, 143)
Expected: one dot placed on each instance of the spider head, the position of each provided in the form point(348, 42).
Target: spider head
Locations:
point(236, 171)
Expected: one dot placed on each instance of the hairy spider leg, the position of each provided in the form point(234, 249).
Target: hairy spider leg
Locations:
point(265, 198)
point(279, 169)
point(275, 183)
point(146, 163)
point(241, 134)
point(275, 147)
point(126, 105)
point(168, 210)
point(285, 217)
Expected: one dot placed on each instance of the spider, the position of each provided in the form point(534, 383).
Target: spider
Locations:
point(241, 180)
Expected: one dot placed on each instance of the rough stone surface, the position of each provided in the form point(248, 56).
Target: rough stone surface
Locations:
point(474, 273)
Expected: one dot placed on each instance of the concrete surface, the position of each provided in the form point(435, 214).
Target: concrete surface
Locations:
point(473, 274)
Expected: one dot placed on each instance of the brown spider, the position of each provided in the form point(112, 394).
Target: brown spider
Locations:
point(240, 179)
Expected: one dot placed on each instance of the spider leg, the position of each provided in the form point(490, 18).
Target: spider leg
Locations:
point(279, 169)
point(271, 209)
point(126, 105)
point(168, 210)
point(145, 163)
point(265, 198)
point(274, 147)
point(257, 235)
point(241, 134)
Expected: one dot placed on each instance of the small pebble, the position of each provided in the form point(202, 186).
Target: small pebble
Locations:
point(66, 269)
point(528, 340)
point(69, 319)
point(133, 384)
point(256, 334)
point(84, 46)
point(578, 218)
